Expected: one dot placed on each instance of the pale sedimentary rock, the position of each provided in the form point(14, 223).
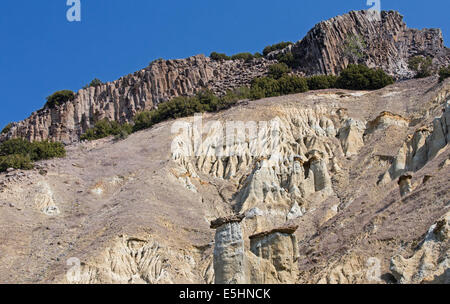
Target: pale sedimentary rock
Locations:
point(351, 136)
point(421, 147)
point(322, 178)
point(279, 248)
point(229, 253)
point(430, 262)
point(405, 185)
point(386, 119)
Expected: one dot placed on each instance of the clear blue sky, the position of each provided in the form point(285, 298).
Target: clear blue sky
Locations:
point(41, 52)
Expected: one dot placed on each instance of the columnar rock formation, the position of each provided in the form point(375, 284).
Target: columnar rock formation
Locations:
point(387, 44)
point(230, 265)
point(120, 100)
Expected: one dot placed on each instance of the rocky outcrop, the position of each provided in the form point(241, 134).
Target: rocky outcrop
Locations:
point(386, 119)
point(120, 100)
point(272, 258)
point(351, 136)
point(230, 264)
point(384, 42)
point(421, 147)
point(280, 170)
point(430, 262)
point(279, 248)
point(405, 185)
point(387, 44)
point(128, 261)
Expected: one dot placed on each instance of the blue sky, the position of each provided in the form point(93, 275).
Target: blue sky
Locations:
point(41, 52)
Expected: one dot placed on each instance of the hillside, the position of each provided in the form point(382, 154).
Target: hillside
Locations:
point(356, 178)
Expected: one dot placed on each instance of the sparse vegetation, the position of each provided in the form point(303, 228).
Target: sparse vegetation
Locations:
point(421, 65)
point(243, 56)
point(204, 101)
point(156, 60)
point(15, 161)
point(6, 129)
point(354, 48)
point(278, 70)
point(247, 57)
point(444, 73)
point(105, 128)
point(59, 98)
point(277, 83)
point(20, 153)
point(219, 56)
point(360, 77)
point(94, 83)
point(287, 59)
point(275, 47)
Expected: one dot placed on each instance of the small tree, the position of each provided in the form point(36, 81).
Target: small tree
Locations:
point(219, 56)
point(94, 83)
point(444, 73)
point(275, 47)
point(7, 128)
point(354, 48)
point(277, 71)
point(421, 65)
point(243, 56)
point(16, 161)
point(59, 98)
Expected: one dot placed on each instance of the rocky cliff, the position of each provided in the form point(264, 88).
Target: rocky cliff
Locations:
point(376, 41)
point(386, 43)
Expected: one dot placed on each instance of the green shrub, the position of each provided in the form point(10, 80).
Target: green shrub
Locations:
point(243, 56)
point(360, 77)
point(278, 70)
point(47, 150)
point(94, 83)
point(16, 146)
point(421, 65)
point(354, 47)
point(269, 87)
point(16, 161)
point(105, 128)
point(19, 153)
point(279, 46)
point(203, 101)
point(219, 56)
point(59, 98)
point(7, 128)
point(257, 55)
point(287, 59)
point(444, 73)
point(321, 82)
